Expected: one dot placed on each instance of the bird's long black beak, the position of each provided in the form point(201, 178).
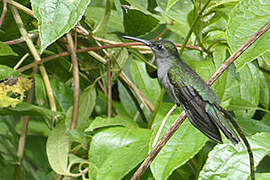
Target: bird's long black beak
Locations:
point(148, 43)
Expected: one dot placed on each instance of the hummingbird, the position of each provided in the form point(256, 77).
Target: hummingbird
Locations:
point(187, 88)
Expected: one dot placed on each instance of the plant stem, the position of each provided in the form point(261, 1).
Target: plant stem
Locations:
point(36, 56)
point(76, 78)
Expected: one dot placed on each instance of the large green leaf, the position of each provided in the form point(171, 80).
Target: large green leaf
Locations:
point(184, 144)
point(57, 17)
point(245, 19)
point(252, 126)
point(175, 13)
point(57, 149)
point(245, 92)
point(150, 87)
point(137, 23)
point(117, 150)
point(226, 161)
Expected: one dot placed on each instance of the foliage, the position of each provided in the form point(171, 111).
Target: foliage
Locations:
point(104, 147)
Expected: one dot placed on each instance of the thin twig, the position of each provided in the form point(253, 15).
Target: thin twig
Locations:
point(163, 124)
point(20, 40)
point(21, 61)
point(182, 116)
point(3, 12)
point(36, 56)
point(21, 7)
point(109, 88)
point(23, 134)
point(76, 78)
point(146, 102)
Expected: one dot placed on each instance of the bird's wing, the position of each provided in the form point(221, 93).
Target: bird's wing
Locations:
point(194, 106)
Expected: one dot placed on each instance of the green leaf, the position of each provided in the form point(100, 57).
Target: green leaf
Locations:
point(56, 18)
point(226, 161)
point(5, 50)
point(24, 108)
point(114, 22)
point(137, 23)
point(262, 176)
point(126, 100)
point(140, 5)
point(34, 127)
point(105, 17)
point(245, 93)
point(6, 72)
point(100, 122)
point(175, 13)
point(252, 126)
point(246, 19)
point(57, 149)
point(116, 151)
point(264, 62)
point(86, 105)
point(183, 145)
point(40, 92)
point(264, 89)
point(150, 87)
point(219, 56)
point(63, 94)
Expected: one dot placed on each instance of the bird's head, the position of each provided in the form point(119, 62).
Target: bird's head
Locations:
point(161, 48)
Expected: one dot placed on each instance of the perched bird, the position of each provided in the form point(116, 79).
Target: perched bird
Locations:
point(186, 87)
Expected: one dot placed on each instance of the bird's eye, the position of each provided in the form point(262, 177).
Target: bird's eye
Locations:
point(159, 46)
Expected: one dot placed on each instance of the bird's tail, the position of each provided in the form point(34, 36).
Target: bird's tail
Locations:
point(221, 122)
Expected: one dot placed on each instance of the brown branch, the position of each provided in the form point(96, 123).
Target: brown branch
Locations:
point(182, 116)
point(21, 7)
point(109, 88)
point(49, 58)
point(3, 12)
point(23, 134)
point(20, 40)
point(71, 49)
